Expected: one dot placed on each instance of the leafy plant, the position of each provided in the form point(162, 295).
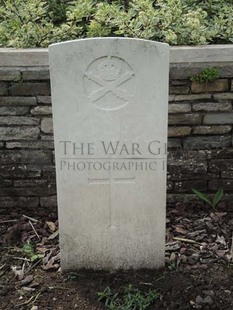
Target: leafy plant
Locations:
point(29, 251)
point(212, 202)
point(72, 276)
point(206, 75)
point(171, 266)
point(38, 23)
point(131, 299)
point(108, 298)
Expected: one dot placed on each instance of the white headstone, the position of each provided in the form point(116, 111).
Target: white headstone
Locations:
point(110, 105)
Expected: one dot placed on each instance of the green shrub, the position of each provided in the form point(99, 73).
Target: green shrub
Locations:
point(33, 23)
point(57, 9)
point(29, 24)
point(206, 75)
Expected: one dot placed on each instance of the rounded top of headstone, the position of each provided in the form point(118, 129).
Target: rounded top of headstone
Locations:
point(108, 70)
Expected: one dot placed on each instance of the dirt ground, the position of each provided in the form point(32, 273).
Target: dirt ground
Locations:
point(198, 273)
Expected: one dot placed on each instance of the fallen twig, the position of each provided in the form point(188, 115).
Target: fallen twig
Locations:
point(19, 258)
point(145, 283)
point(231, 251)
point(30, 218)
point(58, 288)
point(2, 266)
point(34, 229)
point(184, 240)
point(29, 300)
point(9, 221)
point(35, 265)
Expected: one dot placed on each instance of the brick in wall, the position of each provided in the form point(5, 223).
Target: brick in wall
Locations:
point(214, 185)
point(10, 75)
point(10, 202)
point(212, 106)
point(19, 120)
point(19, 132)
point(25, 156)
point(227, 174)
point(31, 183)
point(185, 119)
point(219, 165)
point(223, 96)
point(41, 110)
point(28, 191)
point(203, 142)
point(218, 118)
point(30, 89)
point(5, 183)
point(50, 201)
point(4, 110)
point(188, 185)
point(219, 85)
point(174, 143)
point(179, 107)
point(47, 125)
point(190, 163)
point(179, 89)
point(3, 89)
point(186, 199)
point(35, 75)
point(17, 171)
point(178, 131)
point(190, 98)
point(37, 144)
point(44, 99)
point(17, 101)
point(210, 130)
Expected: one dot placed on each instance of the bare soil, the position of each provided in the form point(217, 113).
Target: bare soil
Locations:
point(198, 273)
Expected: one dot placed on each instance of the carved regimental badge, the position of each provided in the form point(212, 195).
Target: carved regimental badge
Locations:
point(109, 83)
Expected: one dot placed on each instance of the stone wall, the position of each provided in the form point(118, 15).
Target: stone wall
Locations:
point(200, 127)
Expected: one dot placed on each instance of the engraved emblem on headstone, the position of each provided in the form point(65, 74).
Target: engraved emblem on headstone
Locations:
point(109, 83)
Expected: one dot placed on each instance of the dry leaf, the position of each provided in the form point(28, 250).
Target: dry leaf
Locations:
point(221, 240)
point(42, 250)
point(51, 265)
point(51, 226)
point(54, 235)
point(19, 273)
point(28, 279)
point(180, 230)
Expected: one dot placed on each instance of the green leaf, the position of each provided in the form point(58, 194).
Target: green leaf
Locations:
point(28, 249)
point(217, 197)
point(203, 197)
point(35, 257)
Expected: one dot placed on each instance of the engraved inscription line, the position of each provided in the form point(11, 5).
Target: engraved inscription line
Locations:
point(107, 180)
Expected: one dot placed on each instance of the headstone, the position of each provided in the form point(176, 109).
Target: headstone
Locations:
point(110, 105)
